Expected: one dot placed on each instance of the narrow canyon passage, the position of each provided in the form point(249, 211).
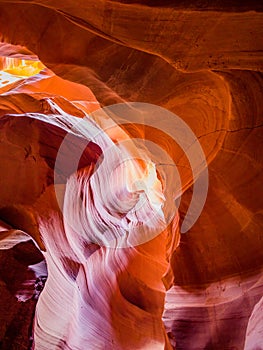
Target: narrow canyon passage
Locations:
point(131, 175)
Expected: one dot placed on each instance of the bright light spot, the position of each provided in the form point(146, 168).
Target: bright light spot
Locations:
point(6, 79)
point(151, 185)
point(15, 69)
point(22, 68)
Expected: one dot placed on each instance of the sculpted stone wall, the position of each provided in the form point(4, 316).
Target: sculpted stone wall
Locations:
point(196, 290)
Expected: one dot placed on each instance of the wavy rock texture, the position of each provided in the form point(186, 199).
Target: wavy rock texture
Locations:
point(203, 62)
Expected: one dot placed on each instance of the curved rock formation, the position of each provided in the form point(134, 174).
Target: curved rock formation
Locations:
point(77, 190)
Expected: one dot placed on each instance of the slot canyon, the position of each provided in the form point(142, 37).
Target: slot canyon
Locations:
point(131, 198)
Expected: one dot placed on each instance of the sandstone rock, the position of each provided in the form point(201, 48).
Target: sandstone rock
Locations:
point(201, 61)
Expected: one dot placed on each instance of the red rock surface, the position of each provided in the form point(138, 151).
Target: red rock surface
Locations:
point(202, 61)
